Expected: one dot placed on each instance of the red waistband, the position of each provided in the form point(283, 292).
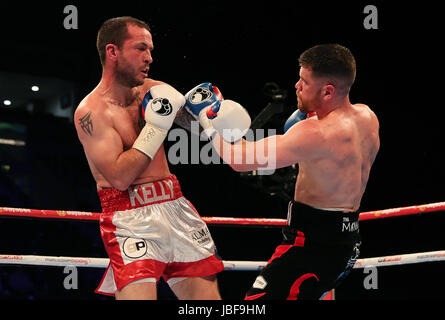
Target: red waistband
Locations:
point(140, 195)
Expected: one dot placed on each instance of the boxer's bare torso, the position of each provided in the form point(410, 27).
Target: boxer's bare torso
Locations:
point(108, 128)
point(334, 151)
point(347, 144)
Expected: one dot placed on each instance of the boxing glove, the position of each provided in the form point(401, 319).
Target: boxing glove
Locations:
point(200, 97)
point(295, 117)
point(159, 108)
point(228, 118)
point(197, 102)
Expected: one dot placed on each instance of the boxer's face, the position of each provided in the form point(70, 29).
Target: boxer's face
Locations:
point(135, 57)
point(308, 92)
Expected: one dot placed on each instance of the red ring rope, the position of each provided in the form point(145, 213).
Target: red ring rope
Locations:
point(94, 216)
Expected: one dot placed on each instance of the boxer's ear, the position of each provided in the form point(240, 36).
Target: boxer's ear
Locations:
point(328, 90)
point(111, 52)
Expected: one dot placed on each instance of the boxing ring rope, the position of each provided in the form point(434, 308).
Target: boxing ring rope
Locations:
point(411, 258)
point(95, 216)
point(420, 257)
point(59, 261)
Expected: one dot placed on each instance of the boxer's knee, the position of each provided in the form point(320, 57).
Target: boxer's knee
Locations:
point(197, 288)
point(138, 290)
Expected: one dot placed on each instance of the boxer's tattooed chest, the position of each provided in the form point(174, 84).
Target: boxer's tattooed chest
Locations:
point(132, 109)
point(136, 100)
point(87, 124)
point(141, 120)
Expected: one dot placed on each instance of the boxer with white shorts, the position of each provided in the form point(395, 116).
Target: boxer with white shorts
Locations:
point(149, 229)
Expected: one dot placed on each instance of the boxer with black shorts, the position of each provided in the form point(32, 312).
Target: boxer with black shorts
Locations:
point(335, 151)
point(318, 250)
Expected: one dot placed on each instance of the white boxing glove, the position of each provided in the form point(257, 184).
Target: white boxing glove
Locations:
point(228, 118)
point(159, 108)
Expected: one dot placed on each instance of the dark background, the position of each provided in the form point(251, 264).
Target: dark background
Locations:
point(239, 47)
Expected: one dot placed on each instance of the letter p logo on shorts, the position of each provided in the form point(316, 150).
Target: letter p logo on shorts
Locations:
point(134, 248)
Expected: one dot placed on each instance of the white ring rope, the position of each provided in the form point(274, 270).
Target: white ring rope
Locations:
point(420, 257)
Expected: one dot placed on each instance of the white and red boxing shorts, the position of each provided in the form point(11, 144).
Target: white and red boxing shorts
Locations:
point(151, 230)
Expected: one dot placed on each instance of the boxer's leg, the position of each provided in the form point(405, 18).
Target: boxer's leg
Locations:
point(196, 288)
point(191, 273)
point(144, 289)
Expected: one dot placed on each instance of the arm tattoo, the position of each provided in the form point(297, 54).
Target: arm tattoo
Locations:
point(185, 119)
point(86, 124)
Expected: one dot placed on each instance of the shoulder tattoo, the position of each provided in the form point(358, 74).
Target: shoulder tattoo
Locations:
point(87, 124)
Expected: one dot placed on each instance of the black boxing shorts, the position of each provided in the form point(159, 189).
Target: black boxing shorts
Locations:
point(318, 251)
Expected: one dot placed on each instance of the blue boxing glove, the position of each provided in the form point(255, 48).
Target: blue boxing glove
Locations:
point(226, 117)
point(202, 96)
point(295, 117)
point(203, 103)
